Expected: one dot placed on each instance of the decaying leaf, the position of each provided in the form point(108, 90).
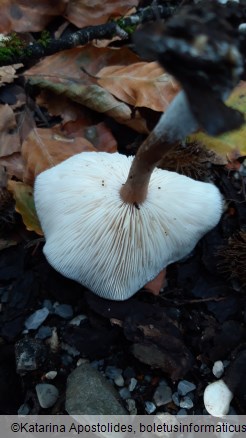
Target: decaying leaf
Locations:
point(44, 148)
point(142, 84)
point(14, 165)
point(9, 137)
point(85, 13)
point(23, 195)
point(230, 144)
point(8, 73)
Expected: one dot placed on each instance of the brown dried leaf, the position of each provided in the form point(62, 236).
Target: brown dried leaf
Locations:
point(7, 73)
point(14, 165)
point(25, 16)
point(9, 137)
point(44, 148)
point(141, 84)
point(84, 13)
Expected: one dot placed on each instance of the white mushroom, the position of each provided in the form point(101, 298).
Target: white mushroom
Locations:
point(112, 222)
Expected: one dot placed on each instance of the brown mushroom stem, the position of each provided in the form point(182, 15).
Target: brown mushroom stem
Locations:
point(174, 125)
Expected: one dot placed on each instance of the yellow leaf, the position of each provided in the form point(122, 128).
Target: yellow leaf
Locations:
point(23, 195)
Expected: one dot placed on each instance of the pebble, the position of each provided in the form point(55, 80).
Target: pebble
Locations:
point(119, 381)
point(175, 398)
point(150, 407)
point(132, 384)
point(47, 394)
point(72, 351)
point(30, 354)
point(36, 319)
point(162, 395)
point(51, 375)
point(53, 341)
point(65, 311)
point(24, 409)
point(186, 403)
point(129, 372)
point(44, 332)
point(97, 364)
point(218, 369)
point(48, 304)
point(185, 386)
point(182, 412)
point(217, 398)
point(77, 320)
point(131, 406)
point(124, 393)
point(112, 372)
point(90, 393)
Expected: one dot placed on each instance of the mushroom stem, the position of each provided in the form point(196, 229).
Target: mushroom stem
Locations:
point(174, 125)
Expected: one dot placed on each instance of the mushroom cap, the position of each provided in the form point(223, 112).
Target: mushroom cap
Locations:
point(111, 247)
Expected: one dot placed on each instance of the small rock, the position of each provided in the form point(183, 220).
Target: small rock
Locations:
point(119, 381)
point(47, 394)
point(89, 393)
point(132, 384)
point(185, 386)
point(30, 354)
point(182, 412)
point(48, 304)
point(217, 398)
point(125, 393)
point(218, 369)
point(53, 341)
point(129, 372)
point(131, 406)
point(77, 320)
point(175, 398)
point(24, 409)
point(82, 360)
point(65, 311)
point(44, 332)
point(186, 403)
point(97, 364)
point(51, 375)
point(70, 350)
point(112, 372)
point(150, 407)
point(66, 360)
point(36, 319)
point(162, 395)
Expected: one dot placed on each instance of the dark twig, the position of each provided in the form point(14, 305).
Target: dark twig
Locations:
point(122, 28)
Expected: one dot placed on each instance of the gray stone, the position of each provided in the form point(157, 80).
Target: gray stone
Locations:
point(24, 409)
point(124, 393)
point(47, 394)
point(36, 319)
point(112, 372)
point(131, 406)
point(132, 384)
point(119, 381)
point(184, 387)
point(162, 395)
point(44, 332)
point(30, 354)
point(64, 311)
point(89, 393)
point(175, 398)
point(186, 403)
point(182, 412)
point(78, 319)
point(150, 407)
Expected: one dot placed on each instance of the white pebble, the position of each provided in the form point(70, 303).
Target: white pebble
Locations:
point(217, 398)
point(47, 394)
point(218, 369)
point(51, 375)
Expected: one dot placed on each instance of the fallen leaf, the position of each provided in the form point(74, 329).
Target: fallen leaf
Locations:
point(9, 137)
point(14, 165)
point(8, 73)
point(142, 84)
point(99, 135)
point(84, 13)
point(231, 144)
point(24, 16)
point(44, 148)
point(23, 195)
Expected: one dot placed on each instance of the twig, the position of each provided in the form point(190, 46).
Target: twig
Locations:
point(122, 28)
